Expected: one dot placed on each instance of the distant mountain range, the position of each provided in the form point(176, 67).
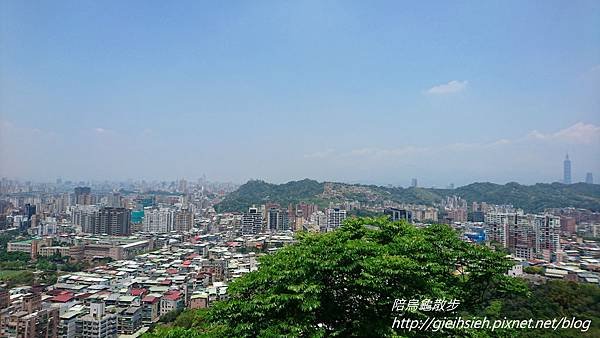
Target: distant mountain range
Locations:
point(531, 198)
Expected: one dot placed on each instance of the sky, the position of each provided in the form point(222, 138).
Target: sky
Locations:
point(354, 91)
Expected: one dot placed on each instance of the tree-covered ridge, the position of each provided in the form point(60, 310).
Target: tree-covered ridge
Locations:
point(257, 192)
point(534, 198)
point(531, 198)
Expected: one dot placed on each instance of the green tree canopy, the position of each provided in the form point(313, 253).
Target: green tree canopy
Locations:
point(344, 283)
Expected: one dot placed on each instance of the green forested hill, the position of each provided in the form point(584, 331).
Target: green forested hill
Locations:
point(535, 197)
point(259, 192)
point(531, 198)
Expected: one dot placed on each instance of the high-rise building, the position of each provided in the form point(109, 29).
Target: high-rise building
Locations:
point(158, 220)
point(567, 170)
point(83, 195)
point(182, 186)
point(568, 224)
point(421, 213)
point(497, 226)
point(589, 178)
point(547, 240)
point(335, 218)
point(114, 200)
point(298, 222)
point(113, 221)
point(476, 216)
point(317, 222)
point(413, 183)
point(526, 236)
point(184, 220)
point(30, 212)
point(84, 217)
point(277, 219)
point(307, 209)
point(252, 222)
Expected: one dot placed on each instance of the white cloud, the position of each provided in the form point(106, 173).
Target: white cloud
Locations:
point(320, 154)
point(535, 134)
point(582, 133)
point(99, 130)
point(453, 86)
point(502, 142)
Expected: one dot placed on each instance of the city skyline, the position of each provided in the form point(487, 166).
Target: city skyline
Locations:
point(352, 92)
point(567, 178)
point(299, 168)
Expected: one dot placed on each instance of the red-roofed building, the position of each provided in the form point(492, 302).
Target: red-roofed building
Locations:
point(172, 271)
point(62, 298)
point(171, 301)
point(186, 263)
point(150, 299)
point(138, 292)
point(150, 309)
point(172, 295)
point(165, 282)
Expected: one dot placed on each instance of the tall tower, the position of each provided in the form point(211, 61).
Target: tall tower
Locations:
point(413, 183)
point(567, 170)
point(589, 178)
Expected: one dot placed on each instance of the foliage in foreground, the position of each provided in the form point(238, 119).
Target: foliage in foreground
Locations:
point(344, 283)
point(555, 299)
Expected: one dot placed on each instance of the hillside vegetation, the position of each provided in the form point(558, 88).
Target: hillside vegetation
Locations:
point(531, 198)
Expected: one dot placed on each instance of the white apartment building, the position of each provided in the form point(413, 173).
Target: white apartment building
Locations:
point(98, 323)
point(526, 236)
point(158, 220)
point(335, 218)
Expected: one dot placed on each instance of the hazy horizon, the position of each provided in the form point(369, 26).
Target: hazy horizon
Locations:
point(376, 92)
point(194, 180)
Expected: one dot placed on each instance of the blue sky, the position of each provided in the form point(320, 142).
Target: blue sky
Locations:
point(373, 91)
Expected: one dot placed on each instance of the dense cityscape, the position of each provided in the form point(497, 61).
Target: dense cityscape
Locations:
point(101, 259)
point(310, 169)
